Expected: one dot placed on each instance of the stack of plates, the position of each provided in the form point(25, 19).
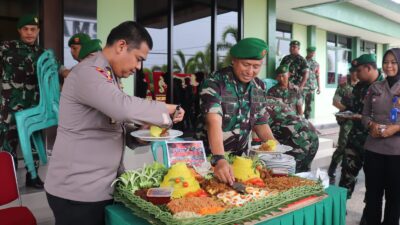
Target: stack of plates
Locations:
point(279, 161)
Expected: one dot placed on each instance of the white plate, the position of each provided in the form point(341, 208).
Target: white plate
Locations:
point(145, 135)
point(278, 150)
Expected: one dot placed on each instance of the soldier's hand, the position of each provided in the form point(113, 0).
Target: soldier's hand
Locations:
point(390, 130)
point(223, 171)
point(318, 91)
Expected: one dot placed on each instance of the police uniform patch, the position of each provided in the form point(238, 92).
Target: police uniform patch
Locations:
point(105, 73)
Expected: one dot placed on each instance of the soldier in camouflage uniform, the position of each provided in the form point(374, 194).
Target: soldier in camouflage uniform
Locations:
point(353, 158)
point(232, 102)
point(293, 130)
point(19, 84)
point(343, 101)
point(312, 82)
point(289, 93)
point(297, 65)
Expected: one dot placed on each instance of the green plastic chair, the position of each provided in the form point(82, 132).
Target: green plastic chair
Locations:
point(155, 145)
point(31, 122)
point(269, 83)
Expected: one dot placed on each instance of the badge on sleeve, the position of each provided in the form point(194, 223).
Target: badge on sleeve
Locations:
point(105, 73)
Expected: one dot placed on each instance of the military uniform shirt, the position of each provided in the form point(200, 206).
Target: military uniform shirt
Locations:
point(290, 95)
point(239, 106)
point(313, 66)
point(18, 74)
point(344, 93)
point(297, 66)
point(90, 136)
point(293, 130)
point(359, 93)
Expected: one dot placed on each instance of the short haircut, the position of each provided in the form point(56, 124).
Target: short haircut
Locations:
point(372, 64)
point(132, 32)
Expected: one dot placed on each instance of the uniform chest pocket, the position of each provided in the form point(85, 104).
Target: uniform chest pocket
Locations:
point(229, 104)
point(229, 107)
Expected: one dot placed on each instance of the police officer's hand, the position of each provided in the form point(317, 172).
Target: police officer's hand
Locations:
point(374, 129)
point(223, 171)
point(390, 130)
point(178, 115)
point(356, 117)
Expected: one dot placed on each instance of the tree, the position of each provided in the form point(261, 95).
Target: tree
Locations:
point(225, 45)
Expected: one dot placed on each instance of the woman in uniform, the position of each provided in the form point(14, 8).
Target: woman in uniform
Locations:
point(382, 156)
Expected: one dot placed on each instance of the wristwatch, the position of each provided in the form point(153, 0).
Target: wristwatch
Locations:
point(215, 159)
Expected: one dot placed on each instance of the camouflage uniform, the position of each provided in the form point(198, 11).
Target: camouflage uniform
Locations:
point(353, 159)
point(311, 85)
point(297, 65)
point(290, 96)
point(293, 130)
point(241, 108)
point(344, 95)
point(19, 88)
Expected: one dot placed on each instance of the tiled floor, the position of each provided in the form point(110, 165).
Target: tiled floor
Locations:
point(36, 200)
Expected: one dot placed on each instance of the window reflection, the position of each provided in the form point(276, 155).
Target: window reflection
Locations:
point(338, 57)
point(283, 38)
point(79, 17)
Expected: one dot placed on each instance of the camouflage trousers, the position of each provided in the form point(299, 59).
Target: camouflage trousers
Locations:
point(308, 96)
point(353, 161)
point(9, 139)
point(345, 128)
point(304, 140)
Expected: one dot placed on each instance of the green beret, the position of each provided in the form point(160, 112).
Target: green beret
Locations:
point(282, 69)
point(78, 39)
point(311, 49)
point(365, 59)
point(294, 42)
point(27, 20)
point(249, 48)
point(89, 47)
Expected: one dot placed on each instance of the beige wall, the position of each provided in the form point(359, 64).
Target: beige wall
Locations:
point(300, 34)
point(109, 15)
point(255, 23)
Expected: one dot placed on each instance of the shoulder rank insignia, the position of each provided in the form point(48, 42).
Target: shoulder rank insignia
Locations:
point(105, 73)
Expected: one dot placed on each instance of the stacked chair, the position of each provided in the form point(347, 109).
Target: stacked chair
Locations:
point(31, 122)
point(17, 215)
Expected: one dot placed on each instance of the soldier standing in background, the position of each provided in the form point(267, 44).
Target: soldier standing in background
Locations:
point(20, 90)
point(353, 158)
point(297, 65)
point(312, 82)
point(342, 100)
point(288, 92)
point(75, 44)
